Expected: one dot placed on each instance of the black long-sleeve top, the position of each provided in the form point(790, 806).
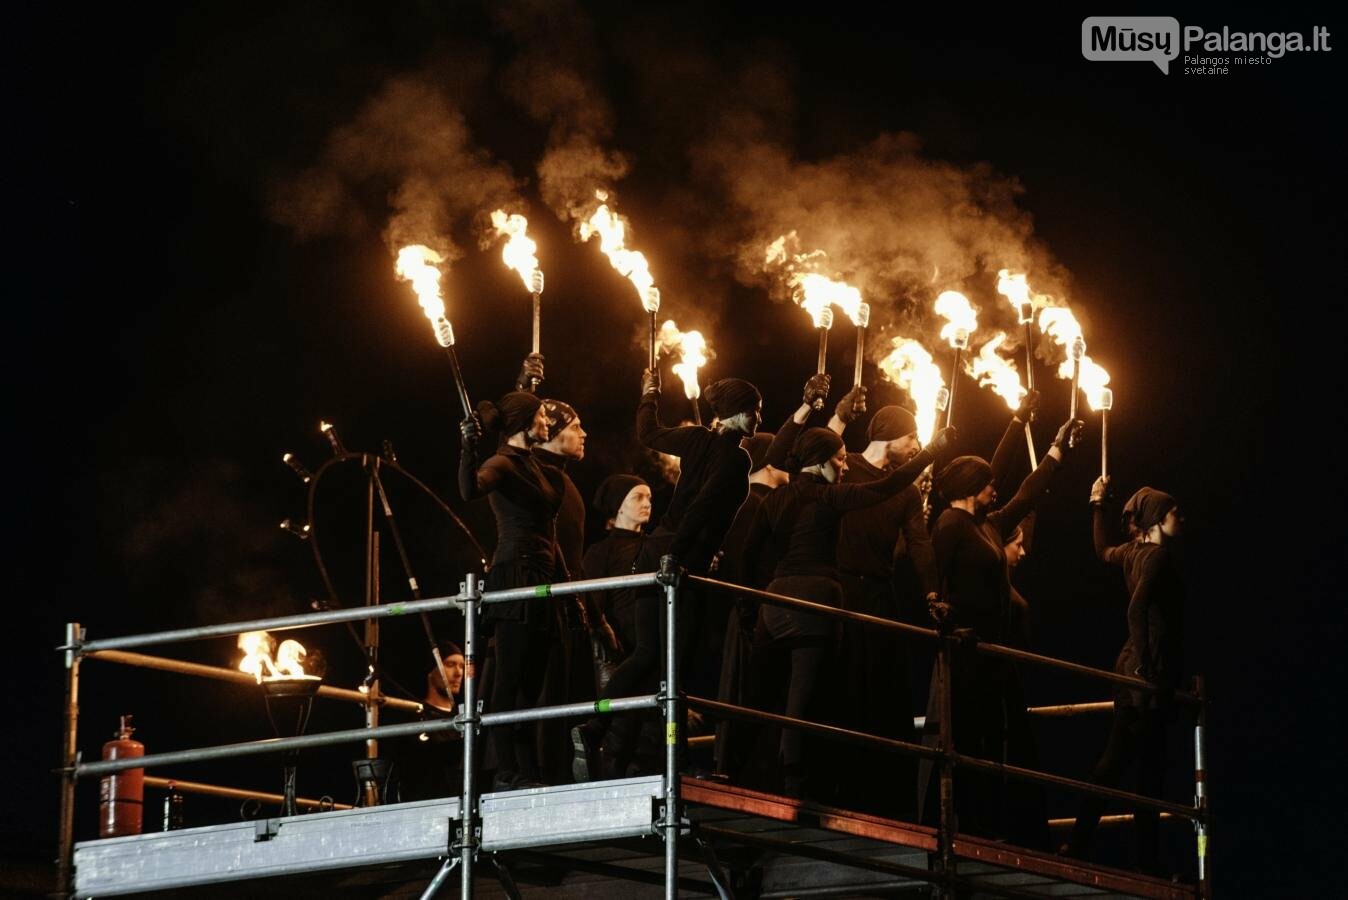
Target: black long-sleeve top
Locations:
point(970, 560)
point(570, 516)
point(1155, 646)
point(807, 511)
point(735, 566)
point(525, 497)
point(713, 482)
point(618, 553)
point(872, 538)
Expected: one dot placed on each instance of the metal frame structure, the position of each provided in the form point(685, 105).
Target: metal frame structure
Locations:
point(466, 842)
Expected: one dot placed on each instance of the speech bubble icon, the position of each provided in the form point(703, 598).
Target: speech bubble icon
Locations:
point(1131, 38)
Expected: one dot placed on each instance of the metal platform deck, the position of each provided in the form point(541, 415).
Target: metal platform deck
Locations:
point(600, 842)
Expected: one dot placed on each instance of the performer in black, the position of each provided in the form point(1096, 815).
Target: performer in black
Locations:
point(806, 514)
point(525, 497)
point(431, 764)
point(1153, 652)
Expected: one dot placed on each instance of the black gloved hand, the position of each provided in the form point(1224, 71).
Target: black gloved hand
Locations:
point(816, 390)
point(1028, 404)
point(852, 404)
point(942, 441)
point(650, 382)
point(531, 372)
point(1100, 491)
point(471, 430)
point(1068, 435)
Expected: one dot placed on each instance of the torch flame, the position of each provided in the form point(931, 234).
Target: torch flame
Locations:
point(691, 347)
point(520, 252)
point(416, 263)
point(1058, 323)
point(813, 291)
point(257, 659)
point(961, 318)
point(612, 231)
point(910, 366)
point(995, 371)
point(1092, 380)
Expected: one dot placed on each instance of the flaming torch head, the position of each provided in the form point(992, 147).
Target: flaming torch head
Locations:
point(1093, 379)
point(993, 370)
point(691, 359)
point(942, 399)
point(863, 315)
point(536, 282)
point(416, 263)
point(650, 300)
point(520, 252)
point(612, 232)
point(1077, 350)
point(1106, 399)
point(1016, 289)
point(961, 318)
point(911, 367)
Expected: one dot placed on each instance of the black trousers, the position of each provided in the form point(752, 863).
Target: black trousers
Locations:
point(522, 651)
point(1137, 736)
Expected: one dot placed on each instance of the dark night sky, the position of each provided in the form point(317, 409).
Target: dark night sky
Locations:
point(174, 339)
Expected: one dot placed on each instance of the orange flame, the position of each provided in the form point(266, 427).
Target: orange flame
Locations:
point(1092, 380)
point(813, 291)
point(910, 366)
point(995, 371)
point(612, 231)
point(416, 263)
point(1058, 323)
point(961, 318)
point(257, 647)
point(520, 252)
point(691, 347)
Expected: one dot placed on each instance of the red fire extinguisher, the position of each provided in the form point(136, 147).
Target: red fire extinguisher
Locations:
point(121, 794)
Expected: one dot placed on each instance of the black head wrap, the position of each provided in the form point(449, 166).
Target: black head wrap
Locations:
point(758, 450)
point(732, 396)
point(608, 499)
point(964, 477)
point(890, 423)
point(1147, 507)
point(511, 414)
point(559, 416)
point(815, 446)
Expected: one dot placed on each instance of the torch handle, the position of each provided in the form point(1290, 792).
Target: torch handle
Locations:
point(1104, 443)
point(1076, 382)
point(1029, 356)
point(458, 381)
point(653, 330)
point(954, 377)
point(538, 316)
point(861, 354)
point(697, 411)
point(1029, 442)
point(822, 364)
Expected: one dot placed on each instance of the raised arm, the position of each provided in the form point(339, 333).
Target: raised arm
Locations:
point(845, 497)
point(470, 430)
point(650, 432)
point(1100, 533)
point(1035, 484)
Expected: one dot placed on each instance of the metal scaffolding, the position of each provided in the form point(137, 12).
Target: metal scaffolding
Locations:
point(474, 828)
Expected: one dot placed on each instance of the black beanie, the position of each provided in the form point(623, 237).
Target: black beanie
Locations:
point(608, 499)
point(511, 414)
point(559, 416)
point(815, 446)
point(732, 396)
point(891, 423)
point(964, 477)
point(1147, 507)
point(757, 446)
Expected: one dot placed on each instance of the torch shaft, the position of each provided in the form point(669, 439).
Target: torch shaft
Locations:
point(697, 412)
point(1029, 442)
point(1104, 443)
point(1076, 384)
point(823, 351)
point(954, 377)
point(538, 316)
point(861, 353)
point(458, 381)
point(654, 328)
point(1029, 355)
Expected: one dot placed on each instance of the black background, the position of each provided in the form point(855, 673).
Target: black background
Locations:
point(173, 341)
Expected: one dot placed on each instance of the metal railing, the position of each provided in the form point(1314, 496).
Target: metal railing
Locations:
point(470, 721)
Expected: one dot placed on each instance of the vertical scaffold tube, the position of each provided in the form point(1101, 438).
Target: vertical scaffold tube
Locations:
point(69, 757)
point(672, 724)
point(946, 734)
point(468, 716)
point(1201, 793)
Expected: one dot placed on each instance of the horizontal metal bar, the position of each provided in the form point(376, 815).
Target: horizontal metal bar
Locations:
point(234, 676)
point(570, 588)
point(807, 606)
point(276, 623)
point(731, 711)
point(256, 748)
point(229, 793)
point(1107, 821)
point(1083, 787)
point(892, 625)
point(568, 710)
point(1063, 710)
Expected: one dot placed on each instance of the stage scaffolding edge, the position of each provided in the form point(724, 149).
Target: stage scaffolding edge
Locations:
point(464, 842)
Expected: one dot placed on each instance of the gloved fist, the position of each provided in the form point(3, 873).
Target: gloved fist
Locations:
point(942, 440)
point(650, 382)
point(852, 404)
point(1068, 434)
point(1100, 490)
point(816, 390)
point(531, 372)
point(471, 430)
point(1028, 404)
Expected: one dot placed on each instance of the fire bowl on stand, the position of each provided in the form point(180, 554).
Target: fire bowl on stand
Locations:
point(289, 702)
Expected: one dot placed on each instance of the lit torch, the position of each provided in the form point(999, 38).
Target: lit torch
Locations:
point(416, 263)
point(861, 319)
point(520, 253)
point(650, 301)
point(961, 321)
point(1016, 289)
point(910, 366)
point(1076, 353)
point(691, 348)
point(1105, 405)
point(612, 231)
point(1093, 380)
point(1059, 324)
point(993, 370)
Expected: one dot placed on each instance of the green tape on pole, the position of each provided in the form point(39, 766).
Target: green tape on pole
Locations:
point(543, 590)
point(397, 609)
point(602, 706)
